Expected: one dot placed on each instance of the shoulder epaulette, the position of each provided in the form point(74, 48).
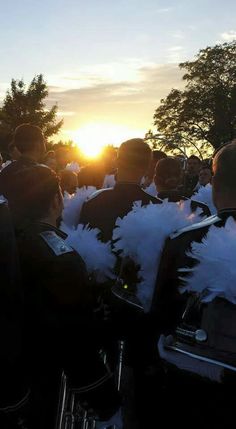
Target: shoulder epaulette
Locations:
point(206, 222)
point(96, 193)
point(56, 243)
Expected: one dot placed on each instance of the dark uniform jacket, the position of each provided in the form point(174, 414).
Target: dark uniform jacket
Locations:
point(7, 176)
point(105, 206)
point(168, 303)
point(12, 385)
point(185, 391)
point(59, 327)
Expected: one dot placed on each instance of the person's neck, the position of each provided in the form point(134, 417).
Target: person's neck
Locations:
point(226, 203)
point(31, 156)
point(129, 178)
point(50, 220)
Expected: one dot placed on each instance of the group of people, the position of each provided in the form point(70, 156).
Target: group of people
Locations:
point(56, 319)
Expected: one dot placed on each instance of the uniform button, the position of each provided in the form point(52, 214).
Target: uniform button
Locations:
point(200, 335)
point(63, 248)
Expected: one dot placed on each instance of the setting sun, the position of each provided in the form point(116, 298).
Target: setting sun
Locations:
point(92, 137)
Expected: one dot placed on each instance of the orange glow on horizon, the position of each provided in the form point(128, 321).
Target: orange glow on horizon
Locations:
point(92, 137)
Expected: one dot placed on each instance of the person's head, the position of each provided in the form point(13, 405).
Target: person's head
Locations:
point(29, 141)
point(204, 176)
point(224, 177)
point(168, 174)
point(92, 175)
point(13, 152)
point(157, 155)
point(69, 181)
point(39, 195)
point(134, 157)
point(62, 157)
point(50, 160)
point(193, 165)
point(109, 158)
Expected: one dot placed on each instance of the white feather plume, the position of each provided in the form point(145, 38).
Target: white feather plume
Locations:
point(97, 255)
point(215, 274)
point(73, 166)
point(73, 205)
point(141, 236)
point(204, 195)
point(151, 189)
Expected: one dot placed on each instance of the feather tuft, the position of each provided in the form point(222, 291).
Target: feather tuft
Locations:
point(215, 273)
point(204, 195)
point(97, 255)
point(141, 235)
point(73, 205)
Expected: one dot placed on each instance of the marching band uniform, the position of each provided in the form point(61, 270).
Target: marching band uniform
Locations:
point(106, 205)
point(167, 311)
point(59, 329)
point(13, 387)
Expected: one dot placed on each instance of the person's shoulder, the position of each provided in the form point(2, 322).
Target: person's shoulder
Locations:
point(55, 243)
point(205, 224)
point(150, 198)
point(9, 168)
point(42, 241)
point(198, 204)
point(98, 195)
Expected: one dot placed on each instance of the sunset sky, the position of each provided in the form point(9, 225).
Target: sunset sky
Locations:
point(107, 63)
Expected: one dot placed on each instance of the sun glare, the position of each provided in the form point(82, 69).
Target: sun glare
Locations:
point(92, 137)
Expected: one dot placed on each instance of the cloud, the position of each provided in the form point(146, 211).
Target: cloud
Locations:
point(127, 102)
point(178, 35)
point(164, 10)
point(228, 36)
point(175, 54)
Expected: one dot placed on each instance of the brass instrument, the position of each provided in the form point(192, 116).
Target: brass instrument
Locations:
point(72, 413)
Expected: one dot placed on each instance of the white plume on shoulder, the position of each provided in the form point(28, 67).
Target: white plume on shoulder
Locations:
point(73, 166)
point(109, 181)
point(204, 195)
point(97, 255)
point(215, 274)
point(73, 205)
point(151, 189)
point(141, 236)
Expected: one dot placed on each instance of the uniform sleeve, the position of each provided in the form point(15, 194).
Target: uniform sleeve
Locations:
point(84, 215)
point(167, 301)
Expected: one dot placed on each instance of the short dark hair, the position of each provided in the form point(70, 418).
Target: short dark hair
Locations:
point(194, 157)
point(134, 153)
point(91, 175)
point(27, 137)
point(157, 155)
point(224, 169)
point(35, 189)
point(168, 170)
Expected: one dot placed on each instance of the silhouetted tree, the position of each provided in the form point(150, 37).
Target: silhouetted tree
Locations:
point(203, 115)
point(27, 105)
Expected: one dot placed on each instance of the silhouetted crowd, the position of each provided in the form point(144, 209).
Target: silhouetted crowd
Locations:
point(152, 343)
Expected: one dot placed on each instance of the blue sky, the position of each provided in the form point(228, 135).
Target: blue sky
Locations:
point(108, 61)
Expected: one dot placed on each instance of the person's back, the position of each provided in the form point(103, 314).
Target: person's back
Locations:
point(13, 386)
point(198, 362)
point(58, 307)
point(105, 206)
